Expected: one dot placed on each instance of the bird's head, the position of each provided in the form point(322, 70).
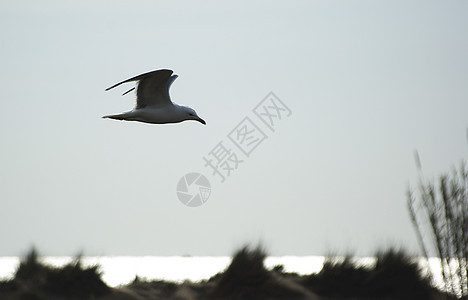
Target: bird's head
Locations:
point(191, 114)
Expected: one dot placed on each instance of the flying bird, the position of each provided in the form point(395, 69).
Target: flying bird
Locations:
point(153, 103)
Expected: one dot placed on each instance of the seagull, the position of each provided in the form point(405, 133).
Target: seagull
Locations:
point(153, 103)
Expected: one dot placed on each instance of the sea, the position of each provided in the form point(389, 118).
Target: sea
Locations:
point(121, 270)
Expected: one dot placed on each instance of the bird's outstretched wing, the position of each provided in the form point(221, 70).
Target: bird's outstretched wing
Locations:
point(152, 88)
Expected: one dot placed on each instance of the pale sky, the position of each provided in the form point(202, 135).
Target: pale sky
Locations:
point(367, 83)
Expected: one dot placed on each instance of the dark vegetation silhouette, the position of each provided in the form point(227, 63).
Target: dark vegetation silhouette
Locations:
point(440, 216)
point(247, 278)
point(35, 280)
point(394, 275)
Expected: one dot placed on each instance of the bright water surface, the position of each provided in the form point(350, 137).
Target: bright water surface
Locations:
point(119, 270)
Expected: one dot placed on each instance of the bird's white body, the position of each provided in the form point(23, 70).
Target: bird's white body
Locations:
point(153, 104)
point(154, 115)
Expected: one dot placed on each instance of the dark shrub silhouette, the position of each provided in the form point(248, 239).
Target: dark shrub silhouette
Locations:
point(74, 279)
point(394, 276)
point(35, 280)
point(31, 271)
point(247, 278)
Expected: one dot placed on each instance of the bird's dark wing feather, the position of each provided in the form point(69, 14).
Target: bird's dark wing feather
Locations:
point(128, 91)
point(139, 77)
point(152, 88)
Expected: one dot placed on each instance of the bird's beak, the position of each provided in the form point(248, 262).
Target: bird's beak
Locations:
point(201, 121)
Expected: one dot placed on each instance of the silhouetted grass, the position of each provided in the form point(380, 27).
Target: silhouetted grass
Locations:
point(441, 222)
point(338, 277)
point(244, 275)
point(247, 278)
point(35, 280)
point(394, 276)
point(74, 279)
point(31, 271)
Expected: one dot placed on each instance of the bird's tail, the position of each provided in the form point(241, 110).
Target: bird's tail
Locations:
point(116, 117)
